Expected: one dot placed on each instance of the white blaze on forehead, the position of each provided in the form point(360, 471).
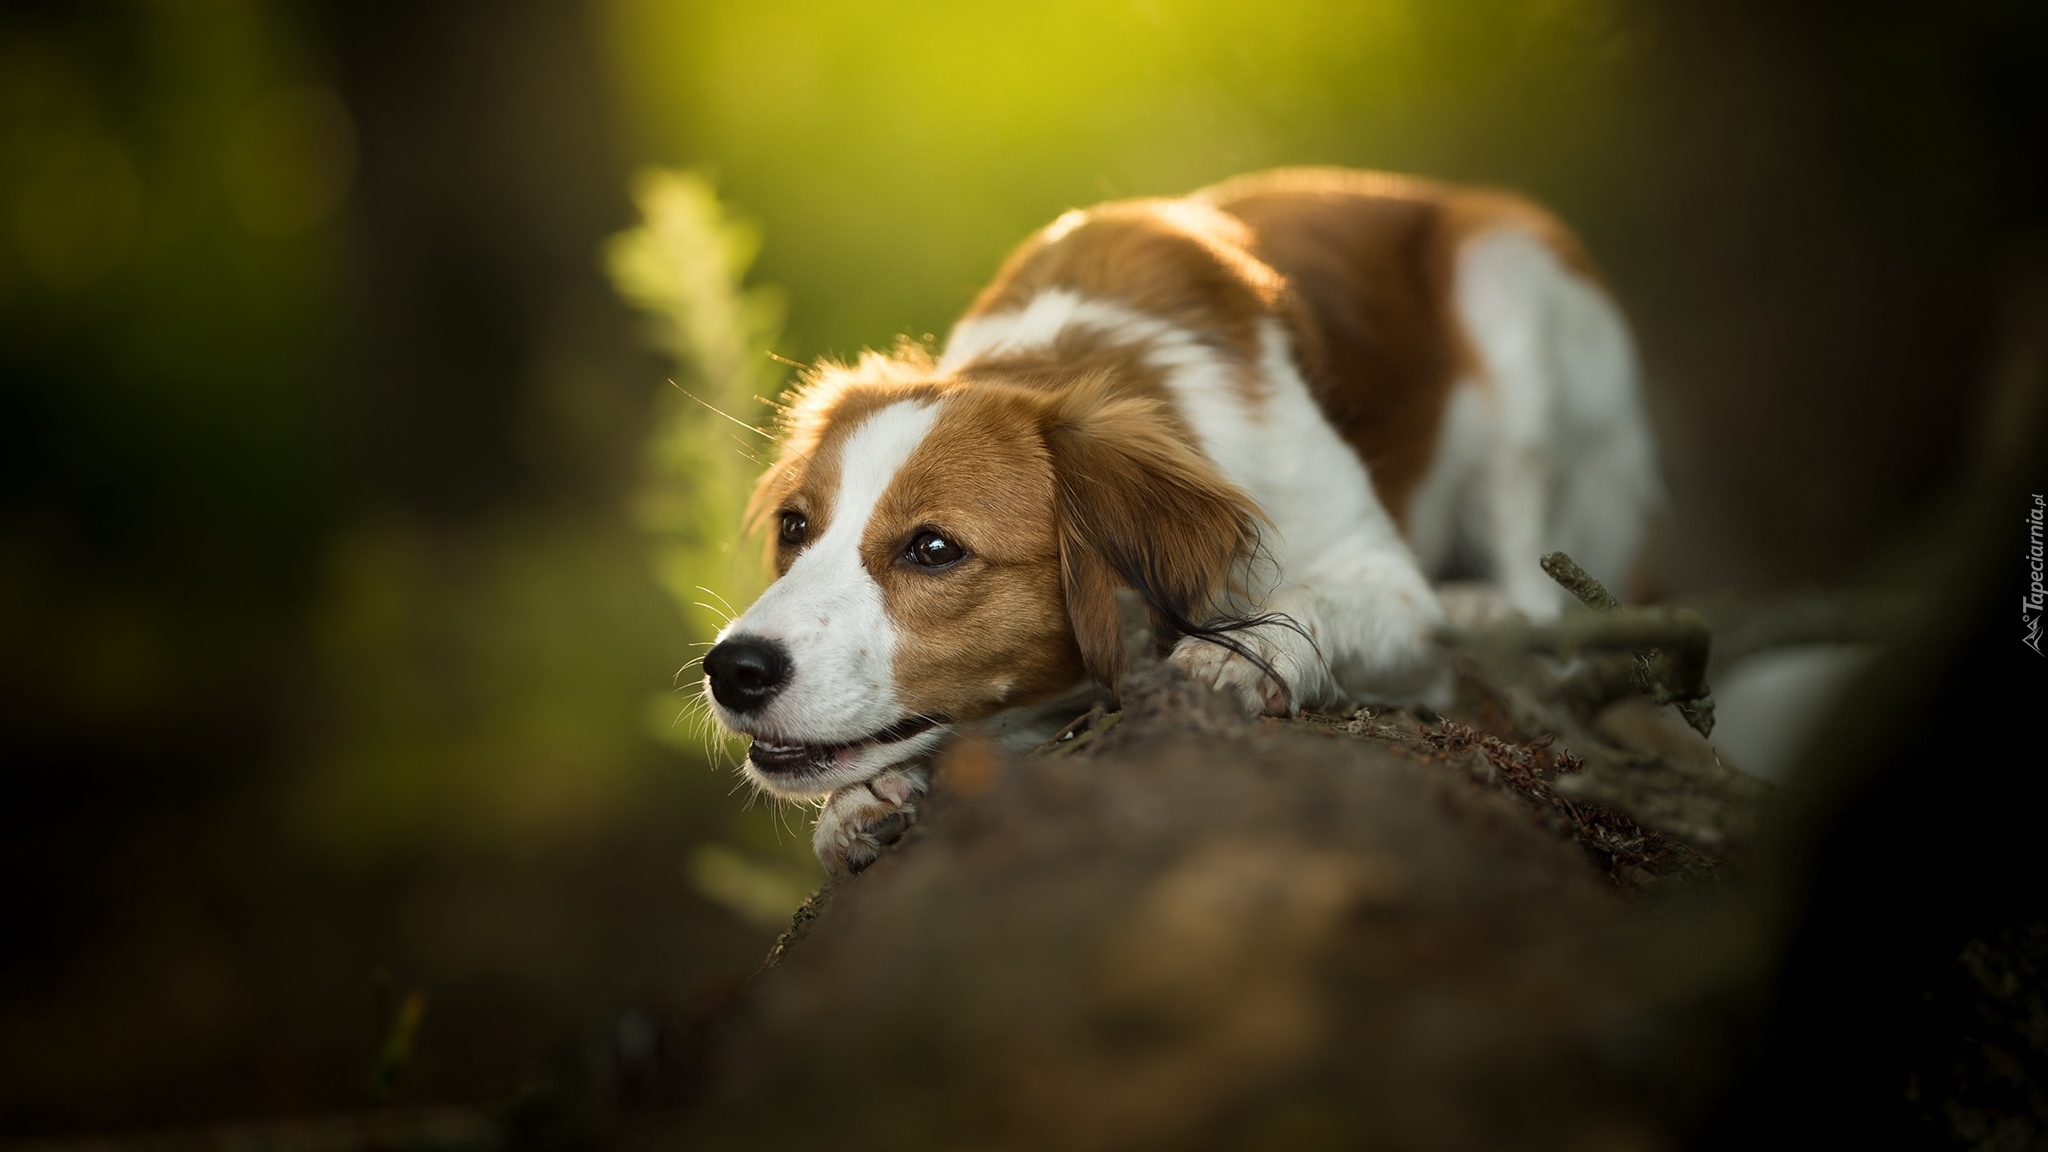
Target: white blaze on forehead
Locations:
point(868, 463)
point(828, 610)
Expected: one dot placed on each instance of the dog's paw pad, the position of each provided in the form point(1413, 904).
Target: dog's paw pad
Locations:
point(861, 820)
point(1261, 693)
point(889, 829)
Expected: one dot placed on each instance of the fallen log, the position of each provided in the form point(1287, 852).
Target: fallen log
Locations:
point(1176, 927)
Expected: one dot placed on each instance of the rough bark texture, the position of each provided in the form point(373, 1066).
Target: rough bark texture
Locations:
point(1178, 928)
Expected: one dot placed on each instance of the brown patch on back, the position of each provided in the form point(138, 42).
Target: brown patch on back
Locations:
point(1467, 211)
point(1174, 260)
point(1371, 262)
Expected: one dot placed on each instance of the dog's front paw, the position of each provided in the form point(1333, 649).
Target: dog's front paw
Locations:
point(860, 820)
point(1278, 689)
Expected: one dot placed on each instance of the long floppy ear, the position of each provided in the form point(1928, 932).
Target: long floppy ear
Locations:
point(1140, 508)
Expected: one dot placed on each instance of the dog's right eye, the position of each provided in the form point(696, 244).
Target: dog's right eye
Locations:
point(794, 529)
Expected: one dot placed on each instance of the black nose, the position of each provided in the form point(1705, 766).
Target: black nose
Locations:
point(747, 671)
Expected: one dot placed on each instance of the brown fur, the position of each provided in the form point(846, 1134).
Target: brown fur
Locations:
point(1370, 259)
point(1174, 260)
point(1065, 472)
point(1059, 498)
point(992, 629)
point(1358, 266)
point(1060, 492)
point(1137, 505)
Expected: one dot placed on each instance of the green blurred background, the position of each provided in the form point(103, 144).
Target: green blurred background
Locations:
point(352, 534)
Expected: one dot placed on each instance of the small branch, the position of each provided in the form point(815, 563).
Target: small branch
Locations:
point(1711, 806)
point(1667, 650)
point(1667, 647)
point(1077, 734)
point(1620, 630)
point(1597, 682)
point(1670, 672)
point(1579, 582)
point(1856, 617)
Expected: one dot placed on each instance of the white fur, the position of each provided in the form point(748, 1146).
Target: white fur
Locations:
point(1341, 571)
point(828, 611)
point(1442, 517)
point(1344, 575)
point(1551, 450)
point(1039, 323)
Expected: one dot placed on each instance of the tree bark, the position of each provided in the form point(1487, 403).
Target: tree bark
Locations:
point(1176, 927)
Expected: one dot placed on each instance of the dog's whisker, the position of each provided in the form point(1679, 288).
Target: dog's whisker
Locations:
point(721, 412)
point(729, 609)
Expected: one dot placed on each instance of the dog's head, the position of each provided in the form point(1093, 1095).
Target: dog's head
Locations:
point(946, 551)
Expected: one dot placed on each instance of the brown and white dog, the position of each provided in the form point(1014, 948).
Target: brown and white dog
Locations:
point(1276, 407)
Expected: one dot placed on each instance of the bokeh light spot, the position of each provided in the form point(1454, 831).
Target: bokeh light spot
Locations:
point(289, 161)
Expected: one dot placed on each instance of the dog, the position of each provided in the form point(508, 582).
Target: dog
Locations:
point(1277, 408)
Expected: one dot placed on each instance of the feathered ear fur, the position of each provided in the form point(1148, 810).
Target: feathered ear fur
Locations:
point(1139, 508)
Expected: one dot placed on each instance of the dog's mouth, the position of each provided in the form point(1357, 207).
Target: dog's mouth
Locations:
point(790, 759)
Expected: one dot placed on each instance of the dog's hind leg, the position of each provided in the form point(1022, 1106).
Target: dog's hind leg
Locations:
point(1570, 465)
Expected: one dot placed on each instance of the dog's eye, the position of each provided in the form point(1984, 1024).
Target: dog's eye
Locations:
point(928, 549)
point(794, 529)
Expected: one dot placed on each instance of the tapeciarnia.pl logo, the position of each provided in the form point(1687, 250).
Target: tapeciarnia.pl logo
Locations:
point(2037, 597)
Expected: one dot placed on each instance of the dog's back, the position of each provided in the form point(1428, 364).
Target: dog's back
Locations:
point(1458, 340)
